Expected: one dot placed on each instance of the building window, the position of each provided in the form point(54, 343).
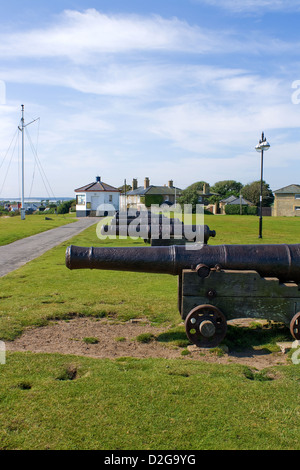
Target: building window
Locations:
point(297, 196)
point(110, 198)
point(297, 208)
point(80, 200)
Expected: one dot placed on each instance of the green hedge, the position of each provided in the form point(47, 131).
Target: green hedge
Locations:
point(234, 209)
point(150, 199)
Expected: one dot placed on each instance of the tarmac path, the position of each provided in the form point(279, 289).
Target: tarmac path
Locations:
point(16, 254)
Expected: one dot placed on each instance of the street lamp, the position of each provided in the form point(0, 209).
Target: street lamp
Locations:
point(262, 146)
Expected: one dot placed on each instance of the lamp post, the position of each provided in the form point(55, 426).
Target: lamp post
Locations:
point(262, 146)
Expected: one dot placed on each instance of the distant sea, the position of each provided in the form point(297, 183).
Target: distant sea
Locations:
point(36, 199)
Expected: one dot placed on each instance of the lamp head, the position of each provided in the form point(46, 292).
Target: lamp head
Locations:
point(263, 144)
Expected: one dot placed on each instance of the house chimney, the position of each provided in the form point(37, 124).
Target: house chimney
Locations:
point(134, 184)
point(146, 183)
point(206, 189)
point(170, 184)
point(98, 179)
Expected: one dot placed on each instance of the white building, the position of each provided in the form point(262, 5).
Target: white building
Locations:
point(96, 199)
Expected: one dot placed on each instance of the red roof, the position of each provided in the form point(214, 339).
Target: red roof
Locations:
point(96, 186)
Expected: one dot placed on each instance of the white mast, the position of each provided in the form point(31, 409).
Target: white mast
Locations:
point(22, 128)
point(23, 166)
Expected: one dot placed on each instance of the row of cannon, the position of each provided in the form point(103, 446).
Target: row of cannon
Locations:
point(215, 283)
point(157, 229)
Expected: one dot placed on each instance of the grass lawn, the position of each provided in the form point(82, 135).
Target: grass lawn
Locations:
point(66, 402)
point(243, 230)
point(13, 228)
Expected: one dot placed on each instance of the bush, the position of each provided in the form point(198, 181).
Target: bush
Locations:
point(3, 212)
point(234, 209)
point(252, 210)
point(207, 212)
point(64, 208)
point(150, 199)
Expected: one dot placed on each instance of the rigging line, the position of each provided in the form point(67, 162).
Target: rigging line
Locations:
point(9, 148)
point(34, 167)
point(9, 165)
point(39, 165)
point(36, 161)
point(39, 162)
point(33, 175)
point(38, 135)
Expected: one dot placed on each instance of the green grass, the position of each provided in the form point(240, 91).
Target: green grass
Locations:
point(13, 228)
point(45, 289)
point(90, 340)
point(67, 402)
point(243, 230)
point(51, 401)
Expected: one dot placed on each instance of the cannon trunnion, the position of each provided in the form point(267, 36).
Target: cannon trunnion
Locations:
point(215, 283)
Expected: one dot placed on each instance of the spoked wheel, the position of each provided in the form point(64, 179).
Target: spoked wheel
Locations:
point(206, 326)
point(295, 326)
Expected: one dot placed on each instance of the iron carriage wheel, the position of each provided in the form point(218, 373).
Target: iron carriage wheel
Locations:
point(295, 326)
point(206, 326)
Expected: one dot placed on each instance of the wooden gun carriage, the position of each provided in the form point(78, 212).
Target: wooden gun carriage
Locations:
point(215, 283)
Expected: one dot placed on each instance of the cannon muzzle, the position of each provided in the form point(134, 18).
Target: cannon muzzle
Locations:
point(280, 261)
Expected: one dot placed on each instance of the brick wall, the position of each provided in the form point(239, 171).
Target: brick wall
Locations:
point(285, 205)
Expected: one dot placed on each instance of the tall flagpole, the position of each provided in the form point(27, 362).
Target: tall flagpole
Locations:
point(23, 166)
point(22, 128)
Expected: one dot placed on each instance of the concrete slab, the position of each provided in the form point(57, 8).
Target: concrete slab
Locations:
point(16, 254)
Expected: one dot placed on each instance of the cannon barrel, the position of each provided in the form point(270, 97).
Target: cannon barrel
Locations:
point(190, 232)
point(280, 261)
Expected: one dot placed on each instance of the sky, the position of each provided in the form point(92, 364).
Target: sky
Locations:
point(167, 89)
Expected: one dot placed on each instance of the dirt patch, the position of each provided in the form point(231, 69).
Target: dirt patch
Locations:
point(113, 340)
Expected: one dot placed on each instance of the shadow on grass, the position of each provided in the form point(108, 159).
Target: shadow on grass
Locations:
point(177, 337)
point(257, 335)
point(238, 338)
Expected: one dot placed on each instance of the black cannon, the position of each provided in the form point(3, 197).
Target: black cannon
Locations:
point(216, 283)
point(160, 234)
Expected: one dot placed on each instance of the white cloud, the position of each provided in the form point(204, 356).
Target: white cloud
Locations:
point(91, 37)
point(148, 100)
point(257, 6)
point(79, 36)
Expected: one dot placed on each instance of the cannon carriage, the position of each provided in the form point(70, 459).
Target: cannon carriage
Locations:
point(215, 283)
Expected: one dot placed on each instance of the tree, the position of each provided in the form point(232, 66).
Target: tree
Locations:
point(251, 192)
point(224, 189)
point(198, 186)
point(64, 208)
point(189, 196)
point(122, 188)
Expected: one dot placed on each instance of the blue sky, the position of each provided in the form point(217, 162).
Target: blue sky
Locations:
point(169, 89)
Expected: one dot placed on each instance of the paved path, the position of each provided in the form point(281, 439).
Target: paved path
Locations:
point(17, 254)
